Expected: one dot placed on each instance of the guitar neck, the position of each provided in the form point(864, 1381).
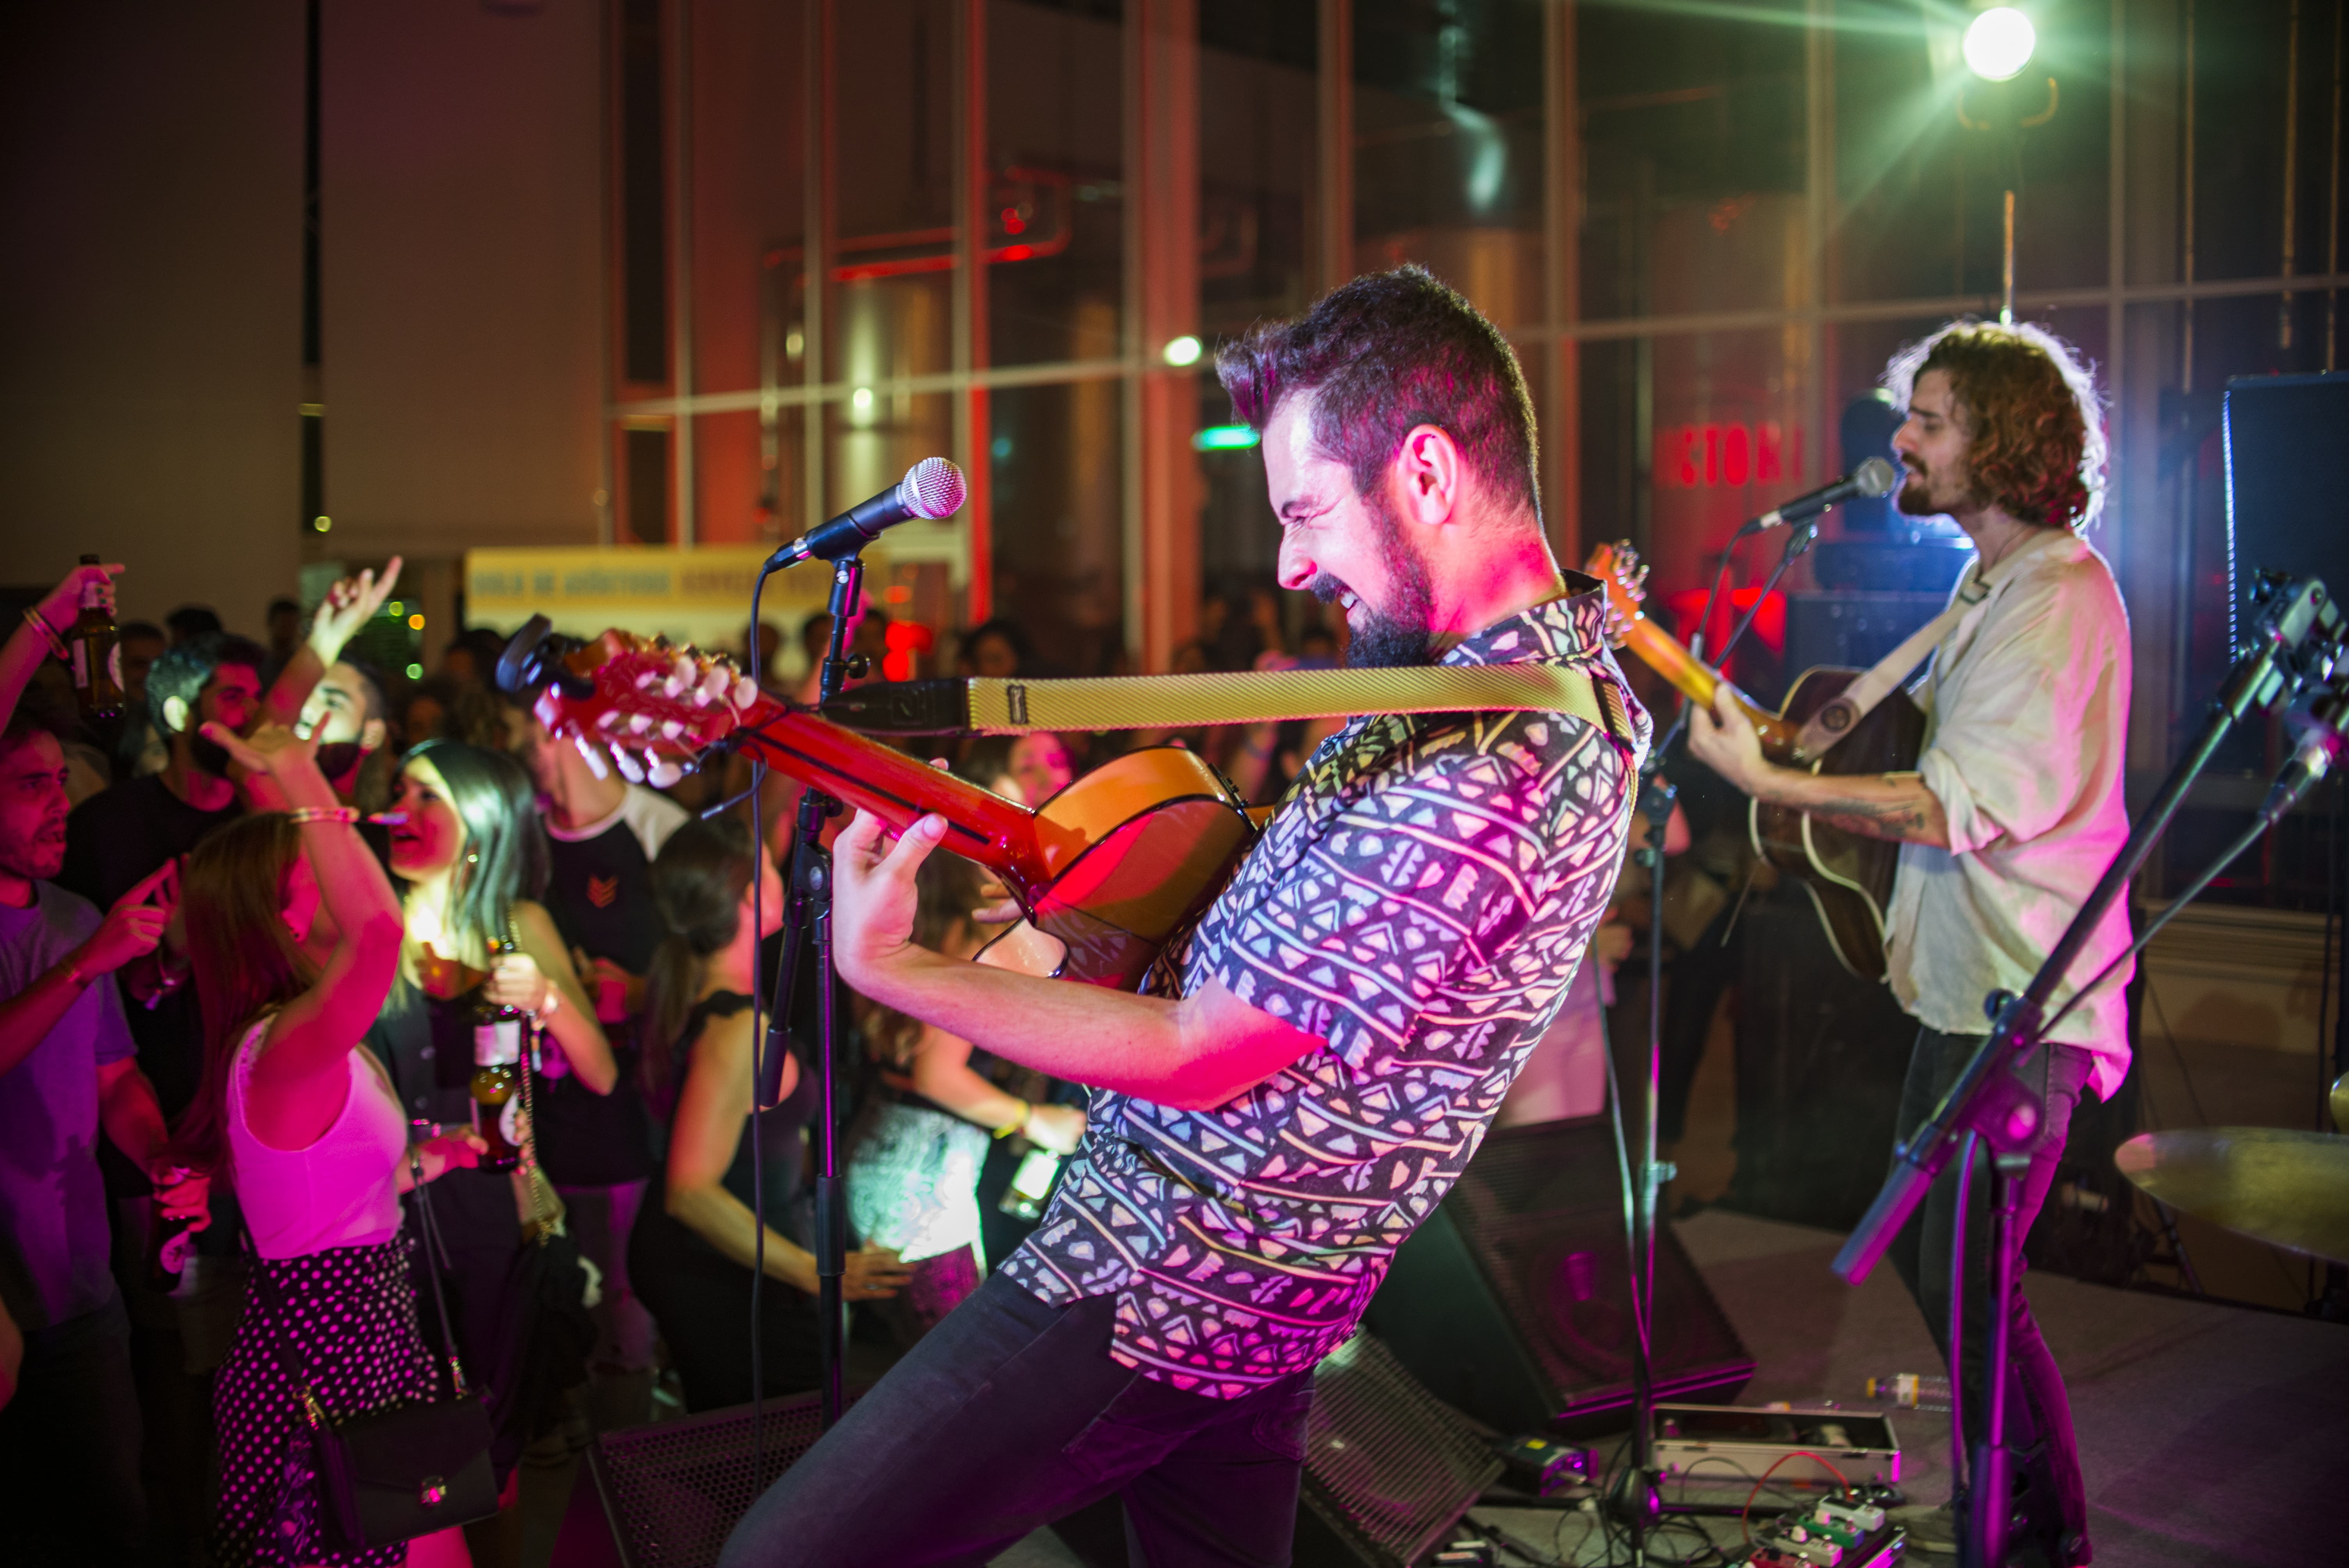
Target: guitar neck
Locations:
point(981, 825)
point(1698, 681)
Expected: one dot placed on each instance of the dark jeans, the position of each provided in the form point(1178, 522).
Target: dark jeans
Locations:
point(1010, 1415)
point(2038, 1414)
point(69, 1485)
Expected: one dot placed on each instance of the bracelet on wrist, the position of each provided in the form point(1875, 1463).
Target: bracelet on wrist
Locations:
point(301, 814)
point(1018, 1123)
point(40, 622)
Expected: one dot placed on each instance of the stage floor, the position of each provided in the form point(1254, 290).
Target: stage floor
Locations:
point(2208, 1434)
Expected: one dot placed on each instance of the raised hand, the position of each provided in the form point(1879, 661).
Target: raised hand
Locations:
point(133, 926)
point(348, 606)
point(274, 748)
point(874, 896)
point(62, 604)
point(516, 981)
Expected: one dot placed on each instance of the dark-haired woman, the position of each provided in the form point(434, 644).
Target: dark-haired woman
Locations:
point(294, 933)
point(466, 846)
point(918, 1147)
point(695, 1239)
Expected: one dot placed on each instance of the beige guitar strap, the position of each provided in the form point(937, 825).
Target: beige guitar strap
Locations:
point(1180, 702)
point(1843, 713)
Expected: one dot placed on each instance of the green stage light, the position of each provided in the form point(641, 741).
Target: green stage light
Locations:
point(1998, 44)
point(1225, 438)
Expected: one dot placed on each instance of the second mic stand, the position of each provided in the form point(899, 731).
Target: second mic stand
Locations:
point(2295, 641)
point(808, 921)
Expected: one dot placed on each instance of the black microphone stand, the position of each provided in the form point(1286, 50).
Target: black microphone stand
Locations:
point(2295, 642)
point(808, 921)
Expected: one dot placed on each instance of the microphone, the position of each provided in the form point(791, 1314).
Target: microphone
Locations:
point(1873, 478)
point(2321, 745)
point(932, 488)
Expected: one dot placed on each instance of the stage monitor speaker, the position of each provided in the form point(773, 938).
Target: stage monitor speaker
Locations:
point(1821, 1056)
point(674, 1490)
point(1513, 1300)
point(1853, 628)
point(1388, 1469)
point(2287, 481)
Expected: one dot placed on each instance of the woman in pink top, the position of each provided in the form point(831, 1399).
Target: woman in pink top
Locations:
point(294, 933)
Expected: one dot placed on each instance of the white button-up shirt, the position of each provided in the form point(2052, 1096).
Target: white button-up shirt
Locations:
point(2025, 748)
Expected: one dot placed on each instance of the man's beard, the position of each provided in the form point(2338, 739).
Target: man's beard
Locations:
point(209, 755)
point(1916, 496)
point(1397, 637)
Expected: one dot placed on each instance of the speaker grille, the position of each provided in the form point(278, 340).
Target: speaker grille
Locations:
point(1387, 1467)
point(674, 1490)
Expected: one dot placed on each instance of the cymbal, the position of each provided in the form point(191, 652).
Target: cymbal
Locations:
point(2274, 1184)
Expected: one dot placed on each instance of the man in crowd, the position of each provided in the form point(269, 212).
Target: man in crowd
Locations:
point(603, 834)
point(2013, 813)
point(1316, 1063)
point(72, 1429)
point(349, 719)
point(115, 840)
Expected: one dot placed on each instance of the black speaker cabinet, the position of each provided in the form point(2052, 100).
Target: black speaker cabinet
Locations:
point(1513, 1300)
point(1389, 1470)
point(674, 1490)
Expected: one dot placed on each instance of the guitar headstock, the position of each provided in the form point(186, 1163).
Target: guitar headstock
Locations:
point(1619, 566)
point(654, 707)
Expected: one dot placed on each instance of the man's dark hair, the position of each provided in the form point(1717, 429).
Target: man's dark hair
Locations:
point(185, 668)
point(2035, 445)
point(34, 716)
point(281, 605)
point(371, 679)
point(1387, 353)
point(192, 621)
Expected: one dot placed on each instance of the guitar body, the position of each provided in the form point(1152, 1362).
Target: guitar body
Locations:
point(1848, 876)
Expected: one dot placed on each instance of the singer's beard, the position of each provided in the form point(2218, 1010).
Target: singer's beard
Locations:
point(1918, 496)
point(1394, 636)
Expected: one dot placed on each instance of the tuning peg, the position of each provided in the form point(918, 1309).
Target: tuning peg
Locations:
point(713, 686)
point(639, 722)
point(608, 718)
point(670, 729)
point(630, 769)
point(745, 693)
point(594, 758)
point(664, 773)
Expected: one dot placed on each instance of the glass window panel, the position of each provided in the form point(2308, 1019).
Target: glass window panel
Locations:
point(893, 200)
point(1257, 160)
point(1689, 108)
point(873, 439)
point(749, 193)
point(1448, 147)
point(1059, 456)
point(746, 476)
point(1056, 240)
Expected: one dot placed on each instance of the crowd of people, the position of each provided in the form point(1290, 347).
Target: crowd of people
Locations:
point(250, 932)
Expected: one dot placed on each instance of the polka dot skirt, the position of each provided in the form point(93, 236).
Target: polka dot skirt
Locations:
point(348, 1316)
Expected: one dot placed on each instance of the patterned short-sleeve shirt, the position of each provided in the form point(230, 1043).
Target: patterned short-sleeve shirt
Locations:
point(1420, 902)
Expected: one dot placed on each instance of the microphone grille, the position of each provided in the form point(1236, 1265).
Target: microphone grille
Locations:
point(933, 488)
point(1876, 477)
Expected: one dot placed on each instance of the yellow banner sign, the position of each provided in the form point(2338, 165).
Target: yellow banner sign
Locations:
point(697, 593)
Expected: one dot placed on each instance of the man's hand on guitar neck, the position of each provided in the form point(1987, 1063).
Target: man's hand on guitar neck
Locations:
point(1895, 806)
point(1191, 1054)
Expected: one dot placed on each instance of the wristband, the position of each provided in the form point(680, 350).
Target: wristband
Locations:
point(34, 618)
point(1018, 1123)
point(301, 814)
point(546, 1010)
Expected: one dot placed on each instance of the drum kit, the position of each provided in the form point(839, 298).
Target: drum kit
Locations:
point(2287, 1187)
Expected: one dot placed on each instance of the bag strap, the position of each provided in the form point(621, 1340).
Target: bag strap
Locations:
point(1843, 713)
point(434, 1249)
point(297, 1371)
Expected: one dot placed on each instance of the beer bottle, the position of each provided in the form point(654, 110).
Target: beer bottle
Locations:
point(497, 1075)
point(97, 657)
point(174, 1242)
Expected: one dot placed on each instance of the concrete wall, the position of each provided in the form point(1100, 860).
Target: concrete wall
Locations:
point(151, 166)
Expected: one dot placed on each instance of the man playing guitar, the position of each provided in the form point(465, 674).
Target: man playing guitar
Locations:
point(1310, 1072)
point(2014, 810)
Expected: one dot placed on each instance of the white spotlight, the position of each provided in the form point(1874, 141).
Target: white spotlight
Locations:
point(1998, 44)
point(1184, 350)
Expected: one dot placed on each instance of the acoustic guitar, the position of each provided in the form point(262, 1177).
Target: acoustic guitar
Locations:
point(1107, 870)
point(1848, 876)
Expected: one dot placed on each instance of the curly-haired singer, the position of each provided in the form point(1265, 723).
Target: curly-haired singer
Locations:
point(2014, 810)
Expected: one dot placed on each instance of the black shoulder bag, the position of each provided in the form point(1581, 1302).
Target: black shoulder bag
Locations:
point(391, 1475)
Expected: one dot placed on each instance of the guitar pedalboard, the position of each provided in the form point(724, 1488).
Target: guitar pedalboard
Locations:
point(1830, 1533)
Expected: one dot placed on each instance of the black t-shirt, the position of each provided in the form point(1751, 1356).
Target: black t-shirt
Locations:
point(599, 890)
point(113, 840)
